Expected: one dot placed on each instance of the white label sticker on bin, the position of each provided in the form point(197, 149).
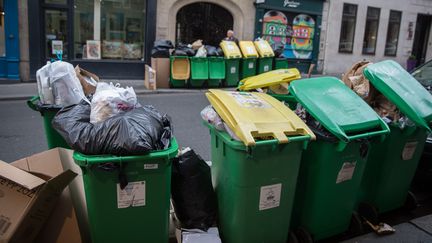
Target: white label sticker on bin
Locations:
point(250, 50)
point(151, 166)
point(230, 47)
point(346, 172)
point(233, 70)
point(266, 68)
point(409, 150)
point(249, 100)
point(251, 65)
point(270, 196)
point(133, 195)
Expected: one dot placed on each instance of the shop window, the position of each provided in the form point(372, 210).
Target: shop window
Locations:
point(2, 29)
point(371, 30)
point(292, 32)
point(56, 34)
point(109, 29)
point(349, 16)
point(205, 21)
point(393, 33)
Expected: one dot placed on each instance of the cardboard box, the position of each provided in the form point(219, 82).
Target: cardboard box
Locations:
point(27, 199)
point(162, 68)
point(67, 222)
point(87, 79)
point(150, 78)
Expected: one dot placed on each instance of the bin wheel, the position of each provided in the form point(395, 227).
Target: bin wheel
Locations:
point(292, 238)
point(369, 212)
point(356, 225)
point(411, 202)
point(303, 236)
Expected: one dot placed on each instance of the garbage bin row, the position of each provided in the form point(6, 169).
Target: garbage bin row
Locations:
point(197, 72)
point(276, 178)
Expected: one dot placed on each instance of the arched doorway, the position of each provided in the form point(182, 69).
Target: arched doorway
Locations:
point(205, 21)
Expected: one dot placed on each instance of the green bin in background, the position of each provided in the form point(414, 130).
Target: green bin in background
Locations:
point(199, 71)
point(140, 211)
point(54, 139)
point(232, 72)
point(332, 167)
point(280, 63)
point(216, 71)
point(392, 164)
point(265, 64)
point(248, 67)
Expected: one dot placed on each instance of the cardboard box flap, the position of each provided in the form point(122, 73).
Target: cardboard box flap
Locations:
point(19, 176)
point(58, 183)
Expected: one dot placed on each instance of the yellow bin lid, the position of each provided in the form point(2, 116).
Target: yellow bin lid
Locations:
point(230, 49)
point(248, 49)
point(264, 49)
point(257, 115)
point(271, 78)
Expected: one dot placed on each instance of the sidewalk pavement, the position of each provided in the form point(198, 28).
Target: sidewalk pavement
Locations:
point(23, 91)
point(416, 230)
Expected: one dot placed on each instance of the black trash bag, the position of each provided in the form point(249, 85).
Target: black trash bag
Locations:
point(278, 49)
point(167, 44)
point(134, 132)
point(183, 49)
point(220, 51)
point(192, 192)
point(161, 48)
point(159, 52)
point(212, 51)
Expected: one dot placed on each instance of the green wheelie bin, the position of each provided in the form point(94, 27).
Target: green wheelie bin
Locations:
point(216, 71)
point(54, 139)
point(255, 181)
point(199, 71)
point(280, 63)
point(392, 164)
point(265, 64)
point(332, 166)
point(128, 197)
point(232, 76)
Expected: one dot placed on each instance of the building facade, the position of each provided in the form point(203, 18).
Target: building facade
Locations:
point(355, 30)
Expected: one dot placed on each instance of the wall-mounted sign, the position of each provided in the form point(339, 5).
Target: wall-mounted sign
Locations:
point(291, 4)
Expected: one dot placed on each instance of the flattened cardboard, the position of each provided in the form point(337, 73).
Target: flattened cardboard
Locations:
point(68, 222)
point(162, 68)
point(150, 78)
point(23, 212)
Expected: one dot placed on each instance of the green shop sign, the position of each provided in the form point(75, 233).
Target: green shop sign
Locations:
point(310, 6)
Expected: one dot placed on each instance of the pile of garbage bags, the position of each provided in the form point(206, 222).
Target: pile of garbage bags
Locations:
point(100, 118)
point(162, 48)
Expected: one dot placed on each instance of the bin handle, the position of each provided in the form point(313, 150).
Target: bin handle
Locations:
point(342, 144)
point(32, 103)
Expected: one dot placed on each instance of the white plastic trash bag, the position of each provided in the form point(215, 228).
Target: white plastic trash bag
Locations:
point(43, 83)
point(202, 52)
point(209, 115)
point(110, 100)
point(65, 85)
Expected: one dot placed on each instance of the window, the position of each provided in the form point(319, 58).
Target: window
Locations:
point(349, 16)
point(109, 29)
point(371, 30)
point(393, 33)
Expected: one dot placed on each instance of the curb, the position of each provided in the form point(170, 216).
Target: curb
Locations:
point(138, 92)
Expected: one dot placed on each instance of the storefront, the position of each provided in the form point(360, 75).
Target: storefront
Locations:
point(9, 40)
point(295, 25)
point(111, 38)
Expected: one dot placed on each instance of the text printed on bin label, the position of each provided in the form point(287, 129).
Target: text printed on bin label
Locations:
point(266, 68)
point(151, 166)
point(346, 172)
point(133, 195)
point(409, 150)
point(249, 100)
point(251, 65)
point(233, 70)
point(270, 196)
point(250, 50)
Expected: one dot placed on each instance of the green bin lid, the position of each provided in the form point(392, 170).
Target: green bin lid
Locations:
point(337, 108)
point(403, 90)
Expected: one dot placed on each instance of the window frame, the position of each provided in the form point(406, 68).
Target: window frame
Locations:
point(355, 25)
point(398, 33)
point(377, 31)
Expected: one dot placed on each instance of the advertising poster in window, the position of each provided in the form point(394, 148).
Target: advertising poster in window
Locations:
point(294, 31)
